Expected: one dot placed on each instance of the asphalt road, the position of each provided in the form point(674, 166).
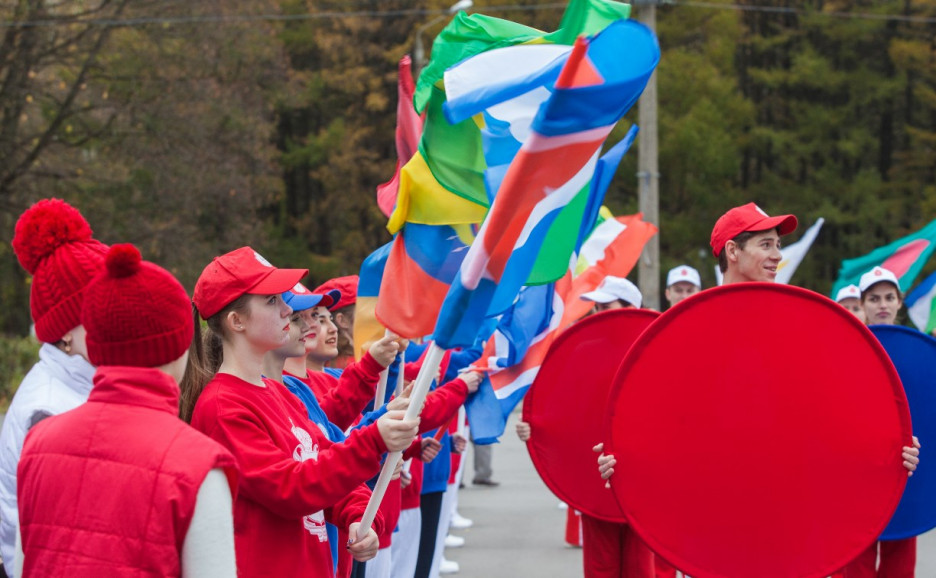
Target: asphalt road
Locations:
point(518, 529)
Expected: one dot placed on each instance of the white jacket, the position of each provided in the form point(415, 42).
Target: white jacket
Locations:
point(57, 383)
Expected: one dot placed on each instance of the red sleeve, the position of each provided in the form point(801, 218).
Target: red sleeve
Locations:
point(411, 369)
point(351, 509)
point(356, 387)
point(273, 478)
point(442, 404)
point(414, 450)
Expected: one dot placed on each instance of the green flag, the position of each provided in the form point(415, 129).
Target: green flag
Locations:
point(904, 258)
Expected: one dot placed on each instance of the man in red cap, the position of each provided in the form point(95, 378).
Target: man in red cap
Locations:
point(746, 241)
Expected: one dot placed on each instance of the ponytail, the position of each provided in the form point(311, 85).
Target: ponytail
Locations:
point(205, 356)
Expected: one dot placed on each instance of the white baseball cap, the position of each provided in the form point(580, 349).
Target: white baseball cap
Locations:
point(683, 273)
point(848, 292)
point(875, 276)
point(613, 288)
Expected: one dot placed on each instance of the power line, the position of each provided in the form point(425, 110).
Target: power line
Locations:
point(239, 18)
point(335, 14)
point(802, 12)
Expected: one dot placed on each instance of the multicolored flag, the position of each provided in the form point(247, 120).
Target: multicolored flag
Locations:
point(423, 261)
point(594, 90)
point(366, 326)
point(793, 254)
point(408, 130)
point(904, 257)
point(921, 304)
point(445, 182)
point(518, 347)
point(513, 356)
point(577, 220)
point(489, 84)
point(613, 248)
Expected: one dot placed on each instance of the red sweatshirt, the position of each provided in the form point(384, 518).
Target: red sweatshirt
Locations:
point(343, 399)
point(293, 477)
point(441, 404)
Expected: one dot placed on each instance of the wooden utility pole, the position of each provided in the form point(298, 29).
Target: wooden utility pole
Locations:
point(648, 172)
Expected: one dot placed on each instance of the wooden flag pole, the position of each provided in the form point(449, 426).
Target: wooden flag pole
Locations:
point(420, 390)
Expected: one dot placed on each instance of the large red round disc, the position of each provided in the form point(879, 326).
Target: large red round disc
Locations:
point(567, 402)
point(758, 431)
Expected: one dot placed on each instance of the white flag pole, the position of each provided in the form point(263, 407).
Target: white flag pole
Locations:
point(381, 384)
point(400, 377)
point(420, 390)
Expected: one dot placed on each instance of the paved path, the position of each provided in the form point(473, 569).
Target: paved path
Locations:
point(518, 529)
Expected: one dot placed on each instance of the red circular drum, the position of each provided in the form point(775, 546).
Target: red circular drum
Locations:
point(757, 430)
point(567, 403)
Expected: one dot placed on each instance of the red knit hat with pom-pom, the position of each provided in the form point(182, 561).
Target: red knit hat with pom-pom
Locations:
point(53, 242)
point(136, 313)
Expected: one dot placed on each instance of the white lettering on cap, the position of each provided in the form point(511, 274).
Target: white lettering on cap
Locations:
point(299, 288)
point(761, 211)
point(261, 260)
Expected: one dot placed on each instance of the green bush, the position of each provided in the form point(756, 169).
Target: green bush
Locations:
point(17, 356)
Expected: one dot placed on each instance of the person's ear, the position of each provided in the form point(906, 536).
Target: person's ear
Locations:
point(731, 251)
point(234, 321)
point(341, 320)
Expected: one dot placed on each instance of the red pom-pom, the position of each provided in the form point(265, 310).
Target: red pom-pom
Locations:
point(122, 260)
point(45, 227)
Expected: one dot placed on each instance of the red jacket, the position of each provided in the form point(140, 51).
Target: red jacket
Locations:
point(109, 488)
point(293, 477)
point(409, 497)
point(344, 398)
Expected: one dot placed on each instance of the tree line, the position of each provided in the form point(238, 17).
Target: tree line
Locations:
point(191, 128)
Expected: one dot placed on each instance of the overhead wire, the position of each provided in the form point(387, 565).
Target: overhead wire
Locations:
point(330, 14)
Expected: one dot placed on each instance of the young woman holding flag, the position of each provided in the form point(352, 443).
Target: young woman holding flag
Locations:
point(293, 478)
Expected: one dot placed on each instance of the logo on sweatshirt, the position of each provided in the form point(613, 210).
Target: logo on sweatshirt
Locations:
point(307, 450)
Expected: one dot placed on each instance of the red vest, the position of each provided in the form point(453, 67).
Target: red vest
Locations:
point(109, 488)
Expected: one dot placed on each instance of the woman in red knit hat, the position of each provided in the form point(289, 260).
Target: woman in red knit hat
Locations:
point(293, 478)
point(53, 243)
point(121, 486)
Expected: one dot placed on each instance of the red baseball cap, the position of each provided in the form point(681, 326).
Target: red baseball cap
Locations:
point(346, 285)
point(746, 218)
point(242, 271)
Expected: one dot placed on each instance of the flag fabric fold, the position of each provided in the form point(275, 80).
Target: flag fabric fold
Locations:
point(921, 305)
point(366, 325)
point(454, 159)
point(513, 355)
point(408, 130)
point(793, 254)
point(522, 339)
point(904, 257)
point(594, 90)
point(422, 262)
point(576, 220)
point(613, 248)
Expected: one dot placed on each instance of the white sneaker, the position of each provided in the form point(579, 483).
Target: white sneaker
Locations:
point(448, 567)
point(452, 541)
point(460, 522)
